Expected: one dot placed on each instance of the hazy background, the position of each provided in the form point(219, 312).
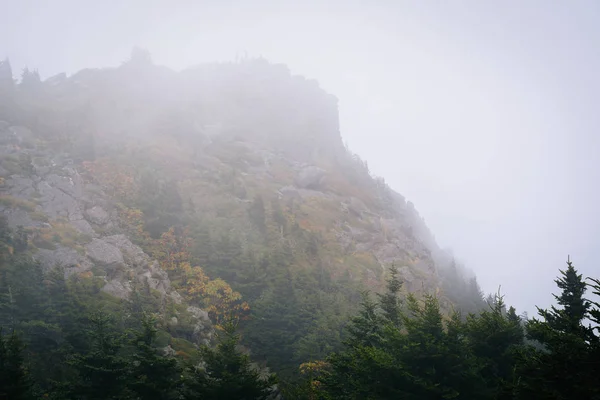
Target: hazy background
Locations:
point(483, 113)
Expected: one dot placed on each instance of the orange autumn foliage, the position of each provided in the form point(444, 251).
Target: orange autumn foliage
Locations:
point(172, 250)
point(221, 302)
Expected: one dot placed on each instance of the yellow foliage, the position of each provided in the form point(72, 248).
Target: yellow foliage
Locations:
point(312, 367)
point(223, 303)
point(195, 280)
point(314, 370)
point(172, 250)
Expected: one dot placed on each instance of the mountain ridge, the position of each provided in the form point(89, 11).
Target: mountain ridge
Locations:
point(221, 187)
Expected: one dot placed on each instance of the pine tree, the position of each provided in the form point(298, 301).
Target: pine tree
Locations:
point(228, 373)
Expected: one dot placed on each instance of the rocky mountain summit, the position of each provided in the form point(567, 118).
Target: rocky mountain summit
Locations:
point(222, 189)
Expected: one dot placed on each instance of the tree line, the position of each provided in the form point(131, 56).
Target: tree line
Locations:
point(406, 349)
point(396, 347)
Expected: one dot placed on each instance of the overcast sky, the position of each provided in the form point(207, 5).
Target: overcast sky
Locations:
point(483, 113)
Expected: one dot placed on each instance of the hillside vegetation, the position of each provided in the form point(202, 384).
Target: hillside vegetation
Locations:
point(222, 194)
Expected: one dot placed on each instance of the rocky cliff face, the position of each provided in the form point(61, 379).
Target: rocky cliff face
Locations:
point(72, 224)
point(235, 170)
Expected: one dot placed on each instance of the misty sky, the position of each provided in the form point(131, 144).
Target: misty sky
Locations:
point(483, 113)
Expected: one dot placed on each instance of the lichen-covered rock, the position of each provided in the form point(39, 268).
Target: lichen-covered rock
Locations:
point(176, 297)
point(56, 203)
point(64, 257)
point(84, 227)
point(97, 215)
point(198, 313)
point(117, 288)
point(103, 253)
point(17, 217)
point(131, 253)
point(21, 187)
point(203, 326)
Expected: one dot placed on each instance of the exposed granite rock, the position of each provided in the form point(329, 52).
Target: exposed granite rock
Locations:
point(97, 215)
point(64, 257)
point(117, 288)
point(103, 253)
point(21, 187)
point(198, 313)
point(84, 227)
point(176, 297)
point(203, 326)
point(132, 254)
point(17, 217)
point(56, 203)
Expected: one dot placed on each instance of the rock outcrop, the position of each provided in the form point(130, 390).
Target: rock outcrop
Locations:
point(44, 193)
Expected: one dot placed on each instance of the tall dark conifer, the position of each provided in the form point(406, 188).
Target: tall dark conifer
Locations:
point(560, 369)
point(15, 382)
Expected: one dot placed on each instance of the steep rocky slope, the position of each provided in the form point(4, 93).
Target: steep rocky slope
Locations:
point(226, 174)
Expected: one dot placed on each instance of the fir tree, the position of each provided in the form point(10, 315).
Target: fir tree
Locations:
point(389, 301)
point(561, 368)
point(495, 338)
point(101, 369)
point(228, 373)
point(150, 375)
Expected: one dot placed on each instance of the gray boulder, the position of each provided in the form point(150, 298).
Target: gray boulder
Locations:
point(18, 217)
point(20, 187)
point(56, 203)
point(117, 288)
point(103, 253)
point(84, 227)
point(131, 253)
point(64, 257)
point(97, 215)
point(198, 313)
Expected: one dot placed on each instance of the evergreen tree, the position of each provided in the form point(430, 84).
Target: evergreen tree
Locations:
point(495, 338)
point(228, 373)
point(561, 369)
point(150, 375)
point(30, 81)
point(7, 91)
point(366, 329)
point(101, 369)
point(389, 301)
point(15, 382)
point(575, 308)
